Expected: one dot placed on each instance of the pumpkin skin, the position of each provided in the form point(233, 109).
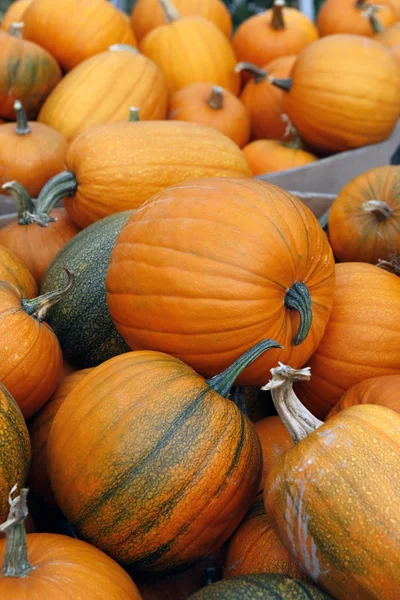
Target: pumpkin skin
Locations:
point(361, 338)
point(384, 390)
point(85, 341)
point(12, 269)
point(147, 14)
point(70, 41)
point(269, 156)
point(362, 233)
point(101, 90)
point(14, 13)
point(274, 439)
point(228, 295)
point(345, 16)
point(176, 461)
point(332, 499)
point(211, 105)
point(391, 37)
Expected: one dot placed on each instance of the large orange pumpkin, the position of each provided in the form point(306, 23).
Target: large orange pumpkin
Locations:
point(12, 269)
point(220, 264)
point(14, 13)
point(384, 390)
point(269, 156)
point(274, 439)
point(391, 38)
point(101, 90)
point(352, 16)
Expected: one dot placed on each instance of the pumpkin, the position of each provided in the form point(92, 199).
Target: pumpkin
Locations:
point(354, 16)
point(361, 338)
point(12, 269)
point(30, 153)
point(14, 13)
point(391, 37)
point(279, 31)
point(101, 90)
point(35, 237)
point(332, 499)
point(116, 167)
point(364, 219)
point(171, 459)
point(75, 30)
point(28, 73)
point(211, 105)
point(384, 390)
point(81, 320)
point(229, 293)
point(30, 355)
point(185, 49)
point(46, 565)
point(16, 448)
point(148, 14)
point(274, 439)
point(337, 104)
point(268, 156)
point(263, 100)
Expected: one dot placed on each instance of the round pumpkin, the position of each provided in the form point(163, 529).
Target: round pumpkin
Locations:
point(390, 37)
point(211, 105)
point(101, 90)
point(352, 16)
point(279, 31)
point(274, 439)
point(81, 320)
point(269, 156)
point(28, 73)
point(14, 13)
point(214, 261)
point(364, 219)
point(12, 269)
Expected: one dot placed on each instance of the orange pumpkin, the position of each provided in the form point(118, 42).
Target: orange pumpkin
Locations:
point(12, 269)
point(213, 106)
point(364, 219)
point(274, 439)
point(391, 37)
point(28, 73)
point(74, 30)
point(36, 237)
point(101, 90)
point(268, 156)
point(264, 101)
point(361, 338)
point(384, 390)
point(268, 271)
point(354, 16)
point(14, 13)
point(279, 31)
point(185, 49)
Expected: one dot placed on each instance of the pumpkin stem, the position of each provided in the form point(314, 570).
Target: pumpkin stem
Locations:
point(369, 13)
point(277, 21)
point(22, 127)
point(26, 211)
point(223, 382)
point(216, 99)
point(392, 265)
point(134, 114)
point(64, 184)
point(38, 307)
point(258, 75)
point(298, 420)
point(298, 298)
point(123, 47)
point(379, 209)
point(16, 563)
point(282, 84)
point(291, 133)
point(16, 29)
point(169, 11)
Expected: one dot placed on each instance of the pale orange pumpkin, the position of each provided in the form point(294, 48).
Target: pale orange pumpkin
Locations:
point(354, 16)
point(14, 13)
point(268, 156)
point(391, 38)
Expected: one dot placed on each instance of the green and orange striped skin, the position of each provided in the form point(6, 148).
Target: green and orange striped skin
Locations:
point(150, 464)
point(334, 500)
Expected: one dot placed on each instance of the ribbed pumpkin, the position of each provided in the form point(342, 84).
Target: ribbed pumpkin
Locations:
point(211, 105)
point(36, 237)
point(274, 439)
point(364, 219)
point(16, 448)
point(81, 320)
point(191, 50)
point(333, 498)
point(279, 31)
point(101, 90)
point(221, 264)
point(30, 153)
point(263, 100)
point(361, 339)
point(117, 167)
point(27, 73)
point(12, 269)
point(147, 14)
point(391, 37)
point(74, 30)
point(384, 390)
point(14, 13)
point(337, 103)
point(352, 16)
point(168, 466)
point(269, 156)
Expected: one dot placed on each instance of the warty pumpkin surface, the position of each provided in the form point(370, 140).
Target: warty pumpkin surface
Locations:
point(170, 289)
point(351, 16)
point(12, 269)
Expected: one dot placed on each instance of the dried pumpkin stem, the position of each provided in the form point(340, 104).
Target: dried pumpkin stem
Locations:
point(298, 420)
point(16, 562)
point(25, 208)
point(22, 127)
point(216, 99)
point(16, 29)
point(64, 184)
point(133, 114)
point(258, 75)
point(223, 382)
point(392, 265)
point(379, 209)
point(277, 21)
point(282, 84)
point(169, 11)
point(298, 298)
point(38, 307)
point(123, 47)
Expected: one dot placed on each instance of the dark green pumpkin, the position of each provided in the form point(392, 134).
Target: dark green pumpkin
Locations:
point(260, 587)
point(81, 320)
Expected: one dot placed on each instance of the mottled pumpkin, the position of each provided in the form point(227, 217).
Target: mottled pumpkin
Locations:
point(269, 156)
point(351, 16)
point(384, 390)
point(12, 269)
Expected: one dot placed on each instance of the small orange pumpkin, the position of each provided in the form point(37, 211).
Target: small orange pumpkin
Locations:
point(360, 17)
point(384, 390)
point(268, 156)
point(391, 38)
point(274, 439)
point(14, 13)
point(12, 269)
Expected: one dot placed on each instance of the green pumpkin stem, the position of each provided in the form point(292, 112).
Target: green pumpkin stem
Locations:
point(277, 21)
point(56, 189)
point(22, 127)
point(323, 220)
point(38, 307)
point(369, 12)
point(282, 84)
point(216, 99)
point(16, 562)
point(16, 29)
point(26, 211)
point(223, 382)
point(379, 209)
point(169, 11)
point(298, 298)
point(298, 420)
point(123, 47)
point(133, 114)
point(258, 75)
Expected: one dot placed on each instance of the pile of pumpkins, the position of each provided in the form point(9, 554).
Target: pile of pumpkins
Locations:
point(200, 386)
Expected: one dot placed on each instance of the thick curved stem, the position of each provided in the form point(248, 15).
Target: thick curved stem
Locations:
point(38, 307)
point(298, 298)
point(16, 29)
point(298, 420)
point(258, 75)
point(277, 21)
point(169, 11)
point(123, 47)
point(56, 189)
point(223, 382)
point(379, 209)
point(22, 127)
point(216, 99)
point(282, 84)
point(16, 562)
point(133, 114)
point(26, 211)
